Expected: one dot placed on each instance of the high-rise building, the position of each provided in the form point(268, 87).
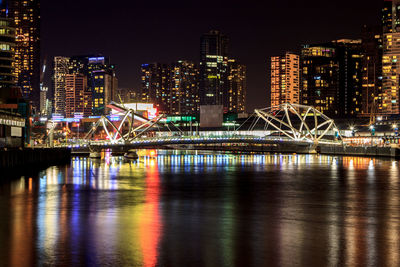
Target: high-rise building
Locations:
point(285, 79)
point(184, 88)
point(332, 77)
point(390, 73)
point(26, 16)
point(372, 70)
point(213, 68)
point(156, 85)
point(7, 45)
point(60, 70)
point(236, 96)
point(102, 83)
point(387, 19)
point(43, 100)
point(78, 96)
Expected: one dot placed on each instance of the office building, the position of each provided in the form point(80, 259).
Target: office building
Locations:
point(285, 79)
point(236, 96)
point(332, 77)
point(213, 68)
point(43, 100)
point(78, 96)
point(26, 16)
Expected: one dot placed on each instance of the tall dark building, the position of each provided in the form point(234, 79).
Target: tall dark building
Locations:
point(7, 46)
point(184, 88)
point(213, 68)
point(387, 19)
point(372, 44)
point(332, 77)
point(26, 17)
point(236, 96)
point(156, 85)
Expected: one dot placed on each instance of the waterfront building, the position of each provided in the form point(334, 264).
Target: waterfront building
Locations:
point(285, 79)
point(26, 17)
point(60, 70)
point(213, 68)
point(78, 96)
point(332, 77)
point(184, 88)
point(236, 95)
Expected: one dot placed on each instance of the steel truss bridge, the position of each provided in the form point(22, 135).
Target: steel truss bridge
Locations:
point(289, 124)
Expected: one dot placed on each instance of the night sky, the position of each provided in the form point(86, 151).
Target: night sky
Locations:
point(135, 32)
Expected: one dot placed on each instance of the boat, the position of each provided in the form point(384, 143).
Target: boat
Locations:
point(95, 155)
point(131, 154)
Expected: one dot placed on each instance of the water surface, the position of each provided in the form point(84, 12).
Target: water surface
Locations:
point(200, 209)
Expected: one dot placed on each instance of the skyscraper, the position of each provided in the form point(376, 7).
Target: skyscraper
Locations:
point(387, 19)
point(236, 96)
point(156, 80)
point(390, 61)
point(26, 16)
point(184, 88)
point(213, 68)
point(78, 96)
point(332, 77)
point(60, 70)
point(7, 45)
point(372, 70)
point(285, 79)
point(390, 73)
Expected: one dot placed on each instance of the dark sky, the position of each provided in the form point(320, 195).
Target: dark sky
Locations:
point(135, 32)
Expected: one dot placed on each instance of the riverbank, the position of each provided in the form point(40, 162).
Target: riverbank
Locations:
point(27, 158)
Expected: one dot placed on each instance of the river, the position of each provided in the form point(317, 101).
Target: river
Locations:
point(196, 208)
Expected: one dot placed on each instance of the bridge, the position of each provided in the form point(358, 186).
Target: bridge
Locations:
point(286, 125)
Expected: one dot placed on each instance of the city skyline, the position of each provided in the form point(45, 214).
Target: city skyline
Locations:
point(158, 36)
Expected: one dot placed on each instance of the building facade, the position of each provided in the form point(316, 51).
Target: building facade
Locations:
point(372, 44)
point(213, 68)
point(236, 96)
point(156, 80)
point(285, 79)
point(390, 73)
point(60, 71)
point(184, 98)
point(78, 97)
point(26, 17)
point(332, 77)
point(7, 46)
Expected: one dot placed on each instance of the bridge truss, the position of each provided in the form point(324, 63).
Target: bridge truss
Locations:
point(296, 122)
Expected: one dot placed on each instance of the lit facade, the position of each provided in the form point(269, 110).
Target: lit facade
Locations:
point(236, 95)
point(78, 96)
point(390, 73)
point(26, 16)
point(156, 80)
point(285, 80)
point(7, 46)
point(60, 70)
point(184, 86)
point(387, 20)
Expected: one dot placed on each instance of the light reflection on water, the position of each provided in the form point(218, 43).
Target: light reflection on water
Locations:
point(196, 209)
